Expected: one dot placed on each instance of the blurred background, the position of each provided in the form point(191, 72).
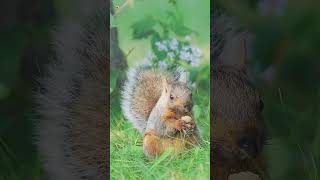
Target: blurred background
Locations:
point(25, 42)
point(26, 47)
point(285, 65)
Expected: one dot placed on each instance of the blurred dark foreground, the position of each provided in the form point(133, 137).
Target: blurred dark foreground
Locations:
point(24, 49)
point(285, 64)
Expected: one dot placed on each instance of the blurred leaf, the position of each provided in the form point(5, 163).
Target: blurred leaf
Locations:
point(173, 2)
point(176, 24)
point(143, 28)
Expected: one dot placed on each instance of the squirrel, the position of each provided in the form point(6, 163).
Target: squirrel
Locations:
point(237, 126)
point(158, 104)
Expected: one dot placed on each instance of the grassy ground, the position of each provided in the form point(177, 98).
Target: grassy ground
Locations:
point(128, 161)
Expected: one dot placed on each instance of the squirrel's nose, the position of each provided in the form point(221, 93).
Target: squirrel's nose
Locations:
point(188, 107)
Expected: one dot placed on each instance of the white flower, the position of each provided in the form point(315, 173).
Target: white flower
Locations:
point(186, 48)
point(190, 54)
point(161, 46)
point(171, 55)
point(187, 38)
point(196, 51)
point(194, 62)
point(184, 55)
point(174, 44)
point(163, 64)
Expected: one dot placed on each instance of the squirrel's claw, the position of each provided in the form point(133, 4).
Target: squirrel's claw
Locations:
point(181, 125)
point(185, 126)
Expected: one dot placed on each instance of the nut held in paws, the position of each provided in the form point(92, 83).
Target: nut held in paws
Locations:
point(186, 118)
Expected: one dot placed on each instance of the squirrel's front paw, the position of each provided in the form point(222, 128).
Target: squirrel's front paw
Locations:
point(185, 123)
point(181, 125)
point(190, 124)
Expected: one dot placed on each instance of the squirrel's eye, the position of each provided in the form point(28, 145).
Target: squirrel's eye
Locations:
point(171, 97)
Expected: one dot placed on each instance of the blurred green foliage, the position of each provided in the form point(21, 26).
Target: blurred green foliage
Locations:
point(24, 46)
point(290, 44)
point(143, 9)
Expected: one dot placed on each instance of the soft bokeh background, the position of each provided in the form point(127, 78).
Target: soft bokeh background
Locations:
point(286, 69)
point(126, 154)
point(196, 16)
point(24, 48)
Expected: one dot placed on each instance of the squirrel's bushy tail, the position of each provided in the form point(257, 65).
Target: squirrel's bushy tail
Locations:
point(127, 104)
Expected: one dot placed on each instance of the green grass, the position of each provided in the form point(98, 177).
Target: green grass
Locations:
point(127, 160)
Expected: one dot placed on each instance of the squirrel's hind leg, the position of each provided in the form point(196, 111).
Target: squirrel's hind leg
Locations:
point(151, 143)
point(154, 145)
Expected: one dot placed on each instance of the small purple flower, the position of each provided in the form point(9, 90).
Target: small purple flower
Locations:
point(184, 55)
point(161, 46)
point(174, 44)
point(163, 65)
point(196, 51)
point(171, 55)
point(187, 38)
point(186, 48)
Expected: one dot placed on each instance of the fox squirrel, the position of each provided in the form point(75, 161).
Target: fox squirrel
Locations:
point(159, 104)
point(238, 129)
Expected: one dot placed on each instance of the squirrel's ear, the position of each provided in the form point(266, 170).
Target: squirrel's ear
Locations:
point(184, 77)
point(235, 52)
point(165, 84)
